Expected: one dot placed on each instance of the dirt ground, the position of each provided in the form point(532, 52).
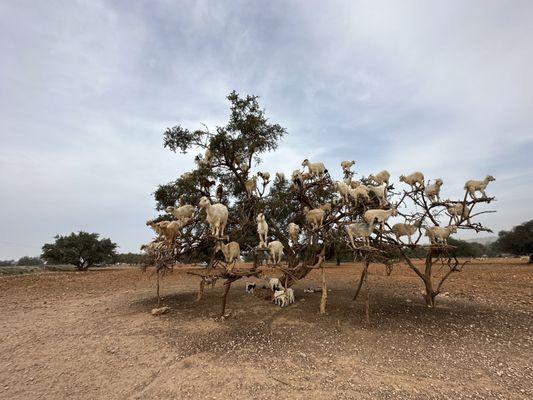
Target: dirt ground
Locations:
point(91, 336)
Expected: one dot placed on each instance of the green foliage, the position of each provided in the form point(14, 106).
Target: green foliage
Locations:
point(29, 261)
point(130, 258)
point(6, 263)
point(81, 249)
point(518, 240)
point(235, 149)
point(466, 249)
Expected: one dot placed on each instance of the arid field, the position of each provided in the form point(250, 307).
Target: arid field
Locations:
point(91, 336)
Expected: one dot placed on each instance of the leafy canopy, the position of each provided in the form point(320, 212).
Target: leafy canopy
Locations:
point(518, 240)
point(81, 249)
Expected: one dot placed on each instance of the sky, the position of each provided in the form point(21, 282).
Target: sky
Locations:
point(87, 89)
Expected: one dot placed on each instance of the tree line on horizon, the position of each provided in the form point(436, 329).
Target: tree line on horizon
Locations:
point(85, 250)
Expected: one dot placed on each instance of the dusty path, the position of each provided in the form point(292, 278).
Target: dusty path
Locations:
point(90, 336)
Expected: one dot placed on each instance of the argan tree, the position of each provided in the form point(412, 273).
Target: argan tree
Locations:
point(227, 171)
point(82, 249)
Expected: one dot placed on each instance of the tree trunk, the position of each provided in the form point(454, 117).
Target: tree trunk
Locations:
point(360, 284)
point(227, 286)
point(158, 287)
point(367, 295)
point(430, 294)
point(428, 283)
point(324, 298)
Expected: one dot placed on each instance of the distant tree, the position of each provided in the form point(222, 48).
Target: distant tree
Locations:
point(518, 240)
point(81, 249)
point(467, 249)
point(130, 258)
point(28, 261)
point(7, 263)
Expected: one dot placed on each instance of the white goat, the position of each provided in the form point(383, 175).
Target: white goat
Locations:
point(251, 186)
point(402, 229)
point(380, 192)
point(297, 178)
point(413, 179)
point(290, 295)
point(316, 169)
point(314, 217)
point(438, 234)
point(433, 191)
point(478, 186)
point(359, 192)
point(231, 251)
point(217, 216)
point(265, 176)
point(273, 283)
point(154, 226)
point(459, 212)
point(280, 298)
point(359, 230)
point(276, 251)
point(379, 216)
point(171, 229)
point(184, 212)
point(380, 177)
point(342, 188)
point(294, 232)
point(346, 165)
point(355, 184)
point(262, 229)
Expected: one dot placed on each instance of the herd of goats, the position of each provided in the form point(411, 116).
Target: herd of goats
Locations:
point(371, 193)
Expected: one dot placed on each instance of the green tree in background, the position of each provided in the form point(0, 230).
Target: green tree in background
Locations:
point(81, 249)
point(518, 240)
point(130, 258)
point(29, 261)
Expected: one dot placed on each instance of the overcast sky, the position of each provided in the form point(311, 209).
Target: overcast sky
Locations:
point(88, 87)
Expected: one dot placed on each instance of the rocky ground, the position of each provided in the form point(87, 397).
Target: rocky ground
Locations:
point(91, 336)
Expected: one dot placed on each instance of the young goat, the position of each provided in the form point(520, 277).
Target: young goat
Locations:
point(438, 234)
point(294, 232)
point(379, 216)
point(297, 178)
point(459, 212)
point(359, 192)
point(317, 169)
point(217, 216)
point(433, 191)
point(346, 165)
point(251, 186)
point(358, 230)
point(380, 177)
point(314, 217)
point(276, 251)
point(262, 229)
point(231, 251)
point(184, 212)
point(413, 179)
point(402, 229)
point(380, 192)
point(342, 188)
point(265, 176)
point(478, 186)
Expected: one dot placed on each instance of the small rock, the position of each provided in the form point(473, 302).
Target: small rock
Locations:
point(159, 311)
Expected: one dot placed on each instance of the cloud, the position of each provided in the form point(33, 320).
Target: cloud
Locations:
point(88, 89)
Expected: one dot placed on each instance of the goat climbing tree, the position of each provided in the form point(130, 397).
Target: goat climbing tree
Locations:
point(327, 214)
